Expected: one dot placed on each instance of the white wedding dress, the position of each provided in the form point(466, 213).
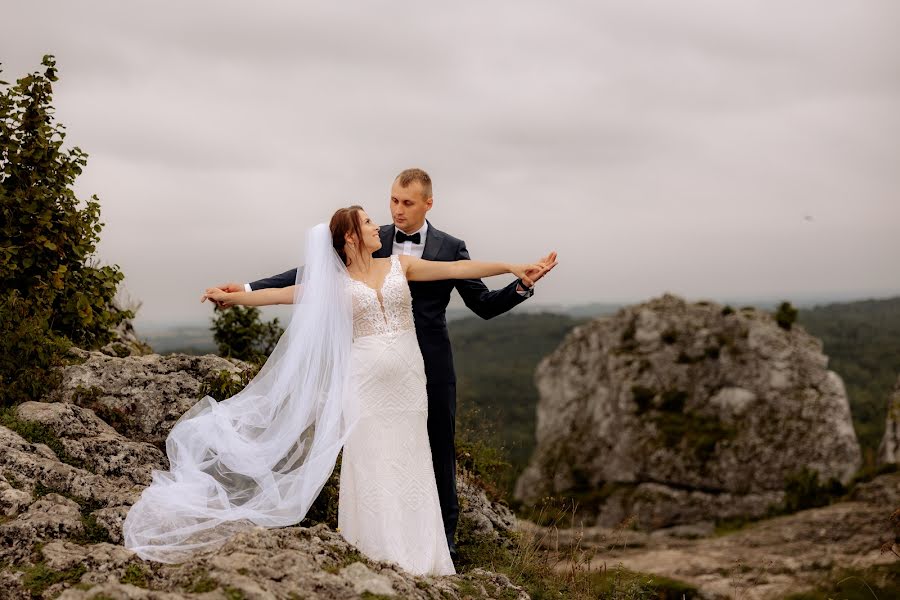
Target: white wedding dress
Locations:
point(388, 504)
point(347, 373)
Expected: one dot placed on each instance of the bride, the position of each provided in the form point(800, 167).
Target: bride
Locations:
point(347, 373)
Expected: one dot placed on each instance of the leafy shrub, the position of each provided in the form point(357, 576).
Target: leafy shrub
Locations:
point(51, 289)
point(225, 384)
point(786, 315)
point(29, 349)
point(240, 333)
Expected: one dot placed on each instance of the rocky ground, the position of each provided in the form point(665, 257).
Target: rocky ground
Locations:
point(765, 560)
point(68, 477)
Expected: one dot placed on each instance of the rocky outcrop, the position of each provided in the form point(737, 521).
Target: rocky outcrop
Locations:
point(482, 517)
point(69, 477)
point(677, 412)
point(142, 396)
point(889, 449)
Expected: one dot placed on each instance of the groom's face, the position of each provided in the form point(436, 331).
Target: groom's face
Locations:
point(408, 206)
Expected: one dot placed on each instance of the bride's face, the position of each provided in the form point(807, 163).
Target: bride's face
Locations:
point(371, 239)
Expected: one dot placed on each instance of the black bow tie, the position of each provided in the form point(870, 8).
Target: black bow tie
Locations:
point(414, 238)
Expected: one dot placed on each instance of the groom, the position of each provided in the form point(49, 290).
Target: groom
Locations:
point(411, 234)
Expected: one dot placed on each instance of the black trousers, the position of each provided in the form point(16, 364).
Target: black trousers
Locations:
point(441, 434)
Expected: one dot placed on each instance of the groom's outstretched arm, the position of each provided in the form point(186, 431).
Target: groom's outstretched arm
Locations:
point(277, 281)
point(486, 303)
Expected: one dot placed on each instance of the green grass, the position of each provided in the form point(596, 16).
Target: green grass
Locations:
point(349, 558)
point(202, 583)
point(37, 433)
point(232, 593)
point(531, 567)
point(38, 578)
point(879, 582)
point(135, 575)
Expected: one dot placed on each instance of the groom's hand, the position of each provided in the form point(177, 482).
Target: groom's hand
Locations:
point(228, 287)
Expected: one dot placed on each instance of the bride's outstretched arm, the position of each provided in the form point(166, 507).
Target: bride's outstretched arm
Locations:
point(264, 297)
point(418, 269)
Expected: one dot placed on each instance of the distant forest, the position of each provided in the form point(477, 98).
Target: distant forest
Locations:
point(495, 363)
point(862, 341)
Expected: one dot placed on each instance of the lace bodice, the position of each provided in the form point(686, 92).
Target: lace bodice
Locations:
point(389, 313)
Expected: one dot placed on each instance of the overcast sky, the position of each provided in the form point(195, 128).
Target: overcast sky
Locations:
point(711, 149)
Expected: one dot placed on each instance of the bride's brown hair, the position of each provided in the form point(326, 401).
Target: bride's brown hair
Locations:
point(345, 220)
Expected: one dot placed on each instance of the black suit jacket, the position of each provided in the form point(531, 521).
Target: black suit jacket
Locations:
point(430, 299)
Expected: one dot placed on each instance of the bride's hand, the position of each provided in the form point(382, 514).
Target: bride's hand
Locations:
point(543, 266)
point(215, 294)
point(527, 271)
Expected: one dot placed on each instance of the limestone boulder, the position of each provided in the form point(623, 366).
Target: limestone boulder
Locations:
point(142, 396)
point(678, 412)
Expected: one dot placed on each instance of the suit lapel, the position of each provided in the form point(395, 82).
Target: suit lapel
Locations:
point(387, 242)
point(433, 242)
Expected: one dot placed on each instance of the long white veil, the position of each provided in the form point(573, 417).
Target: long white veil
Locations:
point(261, 457)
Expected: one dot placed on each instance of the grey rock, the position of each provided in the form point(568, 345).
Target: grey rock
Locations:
point(91, 442)
point(364, 580)
point(141, 396)
point(12, 500)
point(697, 530)
point(50, 517)
point(680, 412)
point(488, 519)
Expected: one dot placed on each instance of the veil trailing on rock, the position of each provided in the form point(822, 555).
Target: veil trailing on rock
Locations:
point(261, 457)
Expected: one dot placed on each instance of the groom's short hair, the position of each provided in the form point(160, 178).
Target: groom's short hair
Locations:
point(410, 175)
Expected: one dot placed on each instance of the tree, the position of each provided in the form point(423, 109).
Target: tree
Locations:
point(239, 333)
point(786, 315)
point(52, 291)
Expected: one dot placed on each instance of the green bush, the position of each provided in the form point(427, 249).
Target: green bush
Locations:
point(786, 315)
point(240, 333)
point(51, 290)
point(224, 384)
point(29, 349)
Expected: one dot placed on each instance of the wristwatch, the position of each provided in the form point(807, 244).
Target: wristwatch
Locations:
point(529, 291)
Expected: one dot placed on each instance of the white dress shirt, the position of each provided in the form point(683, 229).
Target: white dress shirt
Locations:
point(408, 248)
